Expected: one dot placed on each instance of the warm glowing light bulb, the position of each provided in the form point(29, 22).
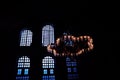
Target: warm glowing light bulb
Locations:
point(74, 39)
point(81, 37)
point(85, 37)
point(69, 36)
point(63, 54)
point(65, 37)
point(78, 38)
point(78, 47)
point(88, 37)
point(91, 40)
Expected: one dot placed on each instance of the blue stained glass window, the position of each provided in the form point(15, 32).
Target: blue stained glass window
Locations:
point(19, 71)
point(67, 59)
point(23, 68)
point(45, 77)
point(69, 69)
point(68, 63)
point(48, 68)
point(26, 71)
point(74, 63)
point(51, 71)
point(51, 77)
point(45, 71)
point(72, 76)
point(22, 78)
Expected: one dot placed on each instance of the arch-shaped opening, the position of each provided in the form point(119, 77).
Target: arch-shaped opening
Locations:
point(48, 68)
point(47, 35)
point(23, 68)
point(26, 37)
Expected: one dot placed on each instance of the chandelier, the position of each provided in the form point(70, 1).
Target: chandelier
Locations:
point(69, 45)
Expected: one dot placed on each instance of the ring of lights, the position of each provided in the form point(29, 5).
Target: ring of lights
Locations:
point(70, 45)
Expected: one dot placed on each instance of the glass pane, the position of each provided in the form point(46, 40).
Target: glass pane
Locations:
point(22, 78)
point(26, 71)
point(45, 71)
point(69, 69)
point(26, 38)
point(51, 71)
point(26, 64)
point(48, 65)
point(47, 35)
point(74, 63)
point(67, 59)
point(52, 77)
point(19, 72)
point(68, 63)
point(20, 64)
point(45, 78)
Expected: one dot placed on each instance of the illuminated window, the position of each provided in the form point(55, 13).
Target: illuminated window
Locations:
point(26, 71)
point(23, 68)
point(45, 71)
point(47, 35)
point(48, 68)
point(71, 69)
point(19, 72)
point(51, 71)
point(26, 38)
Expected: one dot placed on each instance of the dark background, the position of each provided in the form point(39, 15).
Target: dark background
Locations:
point(79, 18)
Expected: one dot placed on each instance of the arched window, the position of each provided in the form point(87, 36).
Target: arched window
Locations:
point(47, 35)
point(26, 38)
point(48, 68)
point(72, 69)
point(23, 68)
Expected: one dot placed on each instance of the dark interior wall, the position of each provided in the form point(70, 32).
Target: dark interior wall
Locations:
point(79, 18)
point(36, 52)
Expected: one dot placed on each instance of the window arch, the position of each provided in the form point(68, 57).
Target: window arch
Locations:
point(23, 68)
point(72, 69)
point(47, 35)
point(48, 68)
point(26, 38)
